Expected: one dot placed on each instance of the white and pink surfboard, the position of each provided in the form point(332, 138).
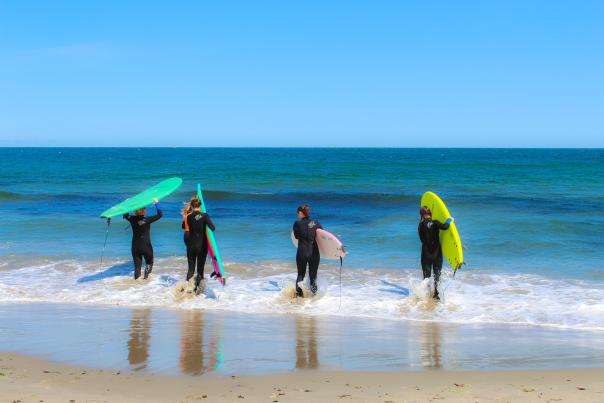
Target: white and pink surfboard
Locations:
point(330, 246)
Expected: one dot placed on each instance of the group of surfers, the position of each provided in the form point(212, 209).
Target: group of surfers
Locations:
point(305, 228)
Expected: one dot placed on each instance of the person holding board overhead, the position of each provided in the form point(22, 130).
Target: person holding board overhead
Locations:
point(305, 231)
point(141, 238)
point(432, 255)
point(194, 223)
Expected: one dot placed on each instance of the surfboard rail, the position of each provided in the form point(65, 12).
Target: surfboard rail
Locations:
point(212, 245)
point(144, 198)
point(449, 239)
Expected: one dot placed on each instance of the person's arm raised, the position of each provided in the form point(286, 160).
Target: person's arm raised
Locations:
point(159, 214)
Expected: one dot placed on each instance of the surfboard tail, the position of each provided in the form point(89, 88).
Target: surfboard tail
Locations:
point(215, 264)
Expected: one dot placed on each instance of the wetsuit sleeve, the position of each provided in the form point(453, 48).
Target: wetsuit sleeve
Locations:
point(157, 216)
point(442, 226)
point(420, 233)
point(209, 223)
point(296, 231)
point(319, 226)
point(126, 216)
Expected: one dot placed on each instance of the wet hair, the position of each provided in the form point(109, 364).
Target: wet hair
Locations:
point(424, 211)
point(190, 206)
point(305, 209)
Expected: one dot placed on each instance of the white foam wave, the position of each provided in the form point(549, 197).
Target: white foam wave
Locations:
point(268, 287)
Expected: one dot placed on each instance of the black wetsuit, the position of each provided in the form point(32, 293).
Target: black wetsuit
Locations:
point(432, 254)
point(141, 240)
point(194, 225)
point(305, 231)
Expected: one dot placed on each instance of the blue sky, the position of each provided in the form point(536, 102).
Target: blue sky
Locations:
point(310, 73)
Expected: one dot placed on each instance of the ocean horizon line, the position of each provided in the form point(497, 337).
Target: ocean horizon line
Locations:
point(302, 147)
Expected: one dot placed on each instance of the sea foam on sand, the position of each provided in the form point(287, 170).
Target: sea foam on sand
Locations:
point(471, 297)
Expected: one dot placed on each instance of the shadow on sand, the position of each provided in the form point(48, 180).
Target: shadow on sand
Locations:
point(122, 269)
point(395, 288)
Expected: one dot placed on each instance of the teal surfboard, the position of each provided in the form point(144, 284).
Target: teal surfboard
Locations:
point(212, 246)
point(143, 199)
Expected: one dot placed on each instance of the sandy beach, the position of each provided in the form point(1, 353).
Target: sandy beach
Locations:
point(28, 379)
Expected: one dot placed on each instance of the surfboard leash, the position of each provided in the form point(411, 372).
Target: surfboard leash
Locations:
point(341, 263)
point(456, 269)
point(452, 277)
point(105, 243)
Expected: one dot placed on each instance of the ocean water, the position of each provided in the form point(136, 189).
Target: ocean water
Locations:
point(530, 220)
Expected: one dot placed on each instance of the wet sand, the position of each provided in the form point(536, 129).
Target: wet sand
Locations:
point(152, 341)
point(28, 379)
point(77, 353)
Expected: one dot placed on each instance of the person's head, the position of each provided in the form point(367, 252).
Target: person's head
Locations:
point(303, 211)
point(425, 213)
point(141, 211)
point(195, 203)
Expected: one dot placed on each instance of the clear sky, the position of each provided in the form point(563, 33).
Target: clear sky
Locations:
point(302, 73)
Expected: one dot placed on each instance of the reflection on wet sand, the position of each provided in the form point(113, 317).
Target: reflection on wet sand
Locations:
point(430, 349)
point(191, 343)
point(138, 342)
point(306, 343)
point(192, 359)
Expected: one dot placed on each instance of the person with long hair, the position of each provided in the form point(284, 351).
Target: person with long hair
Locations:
point(305, 231)
point(194, 224)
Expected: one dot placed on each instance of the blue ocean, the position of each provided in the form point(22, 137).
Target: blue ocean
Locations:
point(530, 220)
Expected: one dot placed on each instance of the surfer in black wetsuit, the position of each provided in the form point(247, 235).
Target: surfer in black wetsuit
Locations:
point(141, 238)
point(432, 254)
point(194, 223)
point(305, 231)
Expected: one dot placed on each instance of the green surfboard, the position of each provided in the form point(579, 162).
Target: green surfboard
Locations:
point(212, 245)
point(143, 199)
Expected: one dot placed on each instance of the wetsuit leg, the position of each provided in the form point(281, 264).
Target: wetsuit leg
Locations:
point(191, 259)
point(148, 255)
point(313, 268)
point(426, 268)
point(137, 257)
point(201, 261)
point(437, 267)
point(301, 263)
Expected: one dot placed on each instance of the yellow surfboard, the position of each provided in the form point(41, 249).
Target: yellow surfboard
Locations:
point(449, 239)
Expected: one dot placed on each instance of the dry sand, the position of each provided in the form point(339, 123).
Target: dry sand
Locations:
point(28, 379)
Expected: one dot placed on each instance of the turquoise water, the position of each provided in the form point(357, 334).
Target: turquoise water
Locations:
point(518, 211)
